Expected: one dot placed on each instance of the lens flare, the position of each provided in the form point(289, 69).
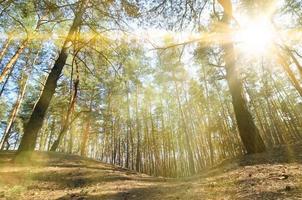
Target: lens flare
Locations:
point(255, 37)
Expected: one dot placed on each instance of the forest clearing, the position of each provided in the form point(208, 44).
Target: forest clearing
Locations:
point(150, 99)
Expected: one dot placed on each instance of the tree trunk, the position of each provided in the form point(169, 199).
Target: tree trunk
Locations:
point(290, 74)
point(129, 130)
point(35, 122)
point(68, 114)
point(187, 138)
point(67, 117)
point(247, 129)
point(5, 83)
point(295, 60)
point(138, 153)
point(85, 135)
point(13, 60)
point(5, 47)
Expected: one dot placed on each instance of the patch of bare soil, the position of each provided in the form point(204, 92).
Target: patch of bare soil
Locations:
point(276, 174)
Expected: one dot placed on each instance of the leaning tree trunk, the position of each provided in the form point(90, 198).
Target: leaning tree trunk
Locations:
point(5, 46)
point(247, 129)
point(70, 111)
point(67, 117)
point(35, 122)
point(13, 60)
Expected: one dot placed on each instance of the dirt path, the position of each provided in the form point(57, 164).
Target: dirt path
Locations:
point(273, 175)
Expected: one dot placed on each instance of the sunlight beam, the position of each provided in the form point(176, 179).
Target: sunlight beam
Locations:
point(255, 37)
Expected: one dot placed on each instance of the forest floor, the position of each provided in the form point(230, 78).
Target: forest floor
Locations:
point(276, 174)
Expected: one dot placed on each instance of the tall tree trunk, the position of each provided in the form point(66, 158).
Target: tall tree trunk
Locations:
point(187, 138)
point(85, 135)
point(208, 111)
point(138, 153)
point(250, 94)
point(295, 60)
point(129, 130)
point(247, 129)
point(290, 73)
point(69, 112)
point(35, 122)
point(67, 118)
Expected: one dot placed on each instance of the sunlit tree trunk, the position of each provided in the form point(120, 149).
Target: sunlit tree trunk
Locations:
point(5, 47)
point(248, 131)
point(7, 68)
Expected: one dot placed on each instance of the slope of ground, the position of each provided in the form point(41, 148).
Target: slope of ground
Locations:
point(276, 174)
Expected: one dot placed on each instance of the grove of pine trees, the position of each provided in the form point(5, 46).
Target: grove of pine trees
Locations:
point(166, 88)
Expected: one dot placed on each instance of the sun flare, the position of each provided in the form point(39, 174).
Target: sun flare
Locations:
point(256, 37)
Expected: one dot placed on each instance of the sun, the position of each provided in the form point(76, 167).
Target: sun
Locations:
point(256, 37)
